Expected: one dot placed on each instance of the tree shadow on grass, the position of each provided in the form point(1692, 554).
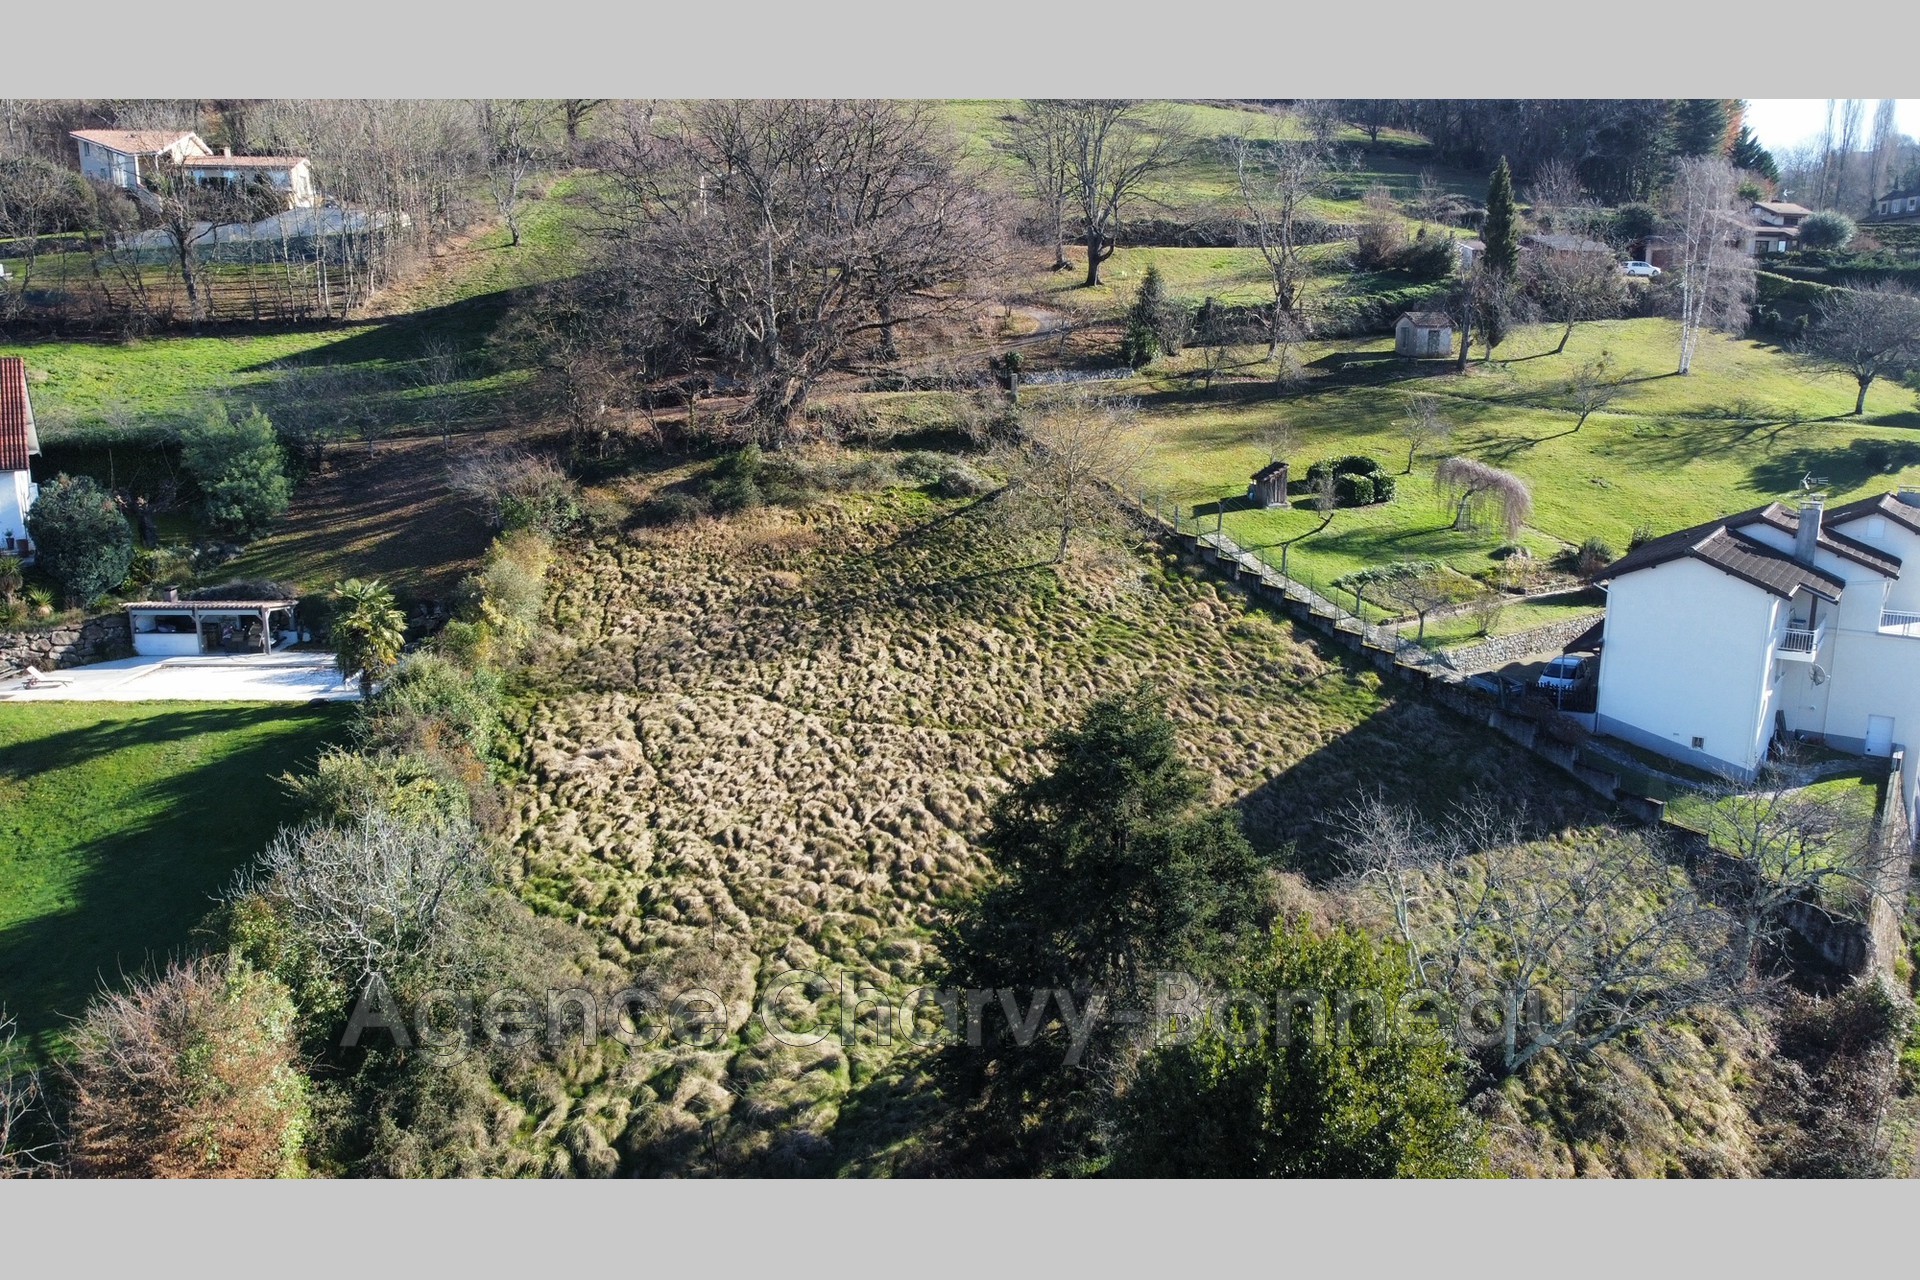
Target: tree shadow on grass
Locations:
point(144, 884)
point(1838, 467)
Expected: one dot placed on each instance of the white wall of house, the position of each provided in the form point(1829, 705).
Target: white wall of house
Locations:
point(1689, 655)
point(16, 497)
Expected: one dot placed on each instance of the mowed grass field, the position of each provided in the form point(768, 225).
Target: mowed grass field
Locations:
point(119, 823)
point(1745, 427)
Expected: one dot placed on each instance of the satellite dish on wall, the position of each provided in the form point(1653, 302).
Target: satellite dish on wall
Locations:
point(1819, 674)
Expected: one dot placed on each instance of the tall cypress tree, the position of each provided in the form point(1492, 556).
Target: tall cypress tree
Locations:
point(1502, 230)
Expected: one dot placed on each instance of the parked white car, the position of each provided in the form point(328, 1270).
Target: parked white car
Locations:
point(1638, 268)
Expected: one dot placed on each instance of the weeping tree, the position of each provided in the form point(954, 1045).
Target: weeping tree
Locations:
point(1474, 490)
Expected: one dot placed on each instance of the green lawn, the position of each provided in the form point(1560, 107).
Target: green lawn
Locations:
point(1742, 429)
point(119, 822)
point(91, 393)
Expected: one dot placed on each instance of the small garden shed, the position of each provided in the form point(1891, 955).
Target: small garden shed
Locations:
point(1423, 333)
point(1269, 487)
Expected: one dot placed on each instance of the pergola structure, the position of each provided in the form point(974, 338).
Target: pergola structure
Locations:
point(175, 628)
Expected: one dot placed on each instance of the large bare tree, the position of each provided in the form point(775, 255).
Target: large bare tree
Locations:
point(1277, 178)
point(1715, 271)
point(513, 144)
point(1424, 424)
point(1115, 148)
point(1040, 138)
point(1870, 332)
point(772, 236)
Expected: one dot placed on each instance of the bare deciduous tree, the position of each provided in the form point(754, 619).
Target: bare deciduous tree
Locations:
point(574, 113)
point(1471, 488)
point(772, 235)
point(1568, 949)
point(374, 897)
point(1591, 390)
point(1715, 271)
point(21, 1108)
point(512, 147)
point(1115, 147)
point(1778, 843)
point(1423, 425)
point(1071, 451)
point(1870, 332)
point(1040, 140)
point(1570, 287)
point(1277, 178)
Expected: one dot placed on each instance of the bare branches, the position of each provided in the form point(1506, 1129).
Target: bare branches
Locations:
point(1473, 488)
point(770, 236)
point(1070, 452)
point(374, 897)
point(1591, 389)
point(1715, 272)
point(1423, 425)
point(1277, 178)
point(1113, 149)
point(1869, 332)
point(1564, 950)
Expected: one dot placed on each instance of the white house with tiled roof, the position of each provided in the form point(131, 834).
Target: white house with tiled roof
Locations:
point(1775, 622)
point(129, 159)
point(18, 445)
point(126, 158)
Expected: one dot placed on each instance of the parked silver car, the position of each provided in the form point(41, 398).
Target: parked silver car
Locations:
point(1639, 268)
point(1566, 673)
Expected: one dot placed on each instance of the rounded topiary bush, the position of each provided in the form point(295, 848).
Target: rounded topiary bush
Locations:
point(1353, 490)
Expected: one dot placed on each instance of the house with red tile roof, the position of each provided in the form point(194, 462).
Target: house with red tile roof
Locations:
point(132, 158)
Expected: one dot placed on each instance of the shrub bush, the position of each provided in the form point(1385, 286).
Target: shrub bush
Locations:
point(85, 543)
point(1593, 556)
point(1383, 487)
point(239, 468)
point(1826, 230)
point(1353, 490)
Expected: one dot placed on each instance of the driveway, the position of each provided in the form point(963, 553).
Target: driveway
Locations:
point(279, 677)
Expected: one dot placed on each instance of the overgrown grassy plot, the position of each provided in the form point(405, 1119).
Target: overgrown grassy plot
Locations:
point(119, 822)
point(770, 743)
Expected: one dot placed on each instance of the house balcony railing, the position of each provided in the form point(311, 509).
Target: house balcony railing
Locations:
point(1801, 644)
point(1898, 622)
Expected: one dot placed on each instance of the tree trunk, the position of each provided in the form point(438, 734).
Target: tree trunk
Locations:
point(1860, 401)
point(1066, 532)
point(1095, 256)
point(1564, 335)
point(1466, 339)
point(1060, 236)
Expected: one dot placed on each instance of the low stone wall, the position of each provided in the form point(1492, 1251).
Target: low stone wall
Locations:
point(1498, 652)
point(71, 645)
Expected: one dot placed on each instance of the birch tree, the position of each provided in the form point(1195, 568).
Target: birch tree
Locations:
point(1715, 272)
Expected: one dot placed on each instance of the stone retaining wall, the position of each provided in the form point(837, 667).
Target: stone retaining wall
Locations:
point(68, 645)
point(1498, 652)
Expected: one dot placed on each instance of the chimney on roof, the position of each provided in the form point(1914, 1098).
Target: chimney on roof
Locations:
point(227, 152)
point(1807, 537)
point(173, 594)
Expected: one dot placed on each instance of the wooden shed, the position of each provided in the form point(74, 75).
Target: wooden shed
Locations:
point(1269, 487)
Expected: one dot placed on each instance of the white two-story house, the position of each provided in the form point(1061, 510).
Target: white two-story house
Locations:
point(1773, 623)
point(18, 444)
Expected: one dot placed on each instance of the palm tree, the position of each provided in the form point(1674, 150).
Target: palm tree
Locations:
point(368, 631)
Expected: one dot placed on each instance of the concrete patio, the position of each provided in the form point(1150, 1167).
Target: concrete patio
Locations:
point(278, 677)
